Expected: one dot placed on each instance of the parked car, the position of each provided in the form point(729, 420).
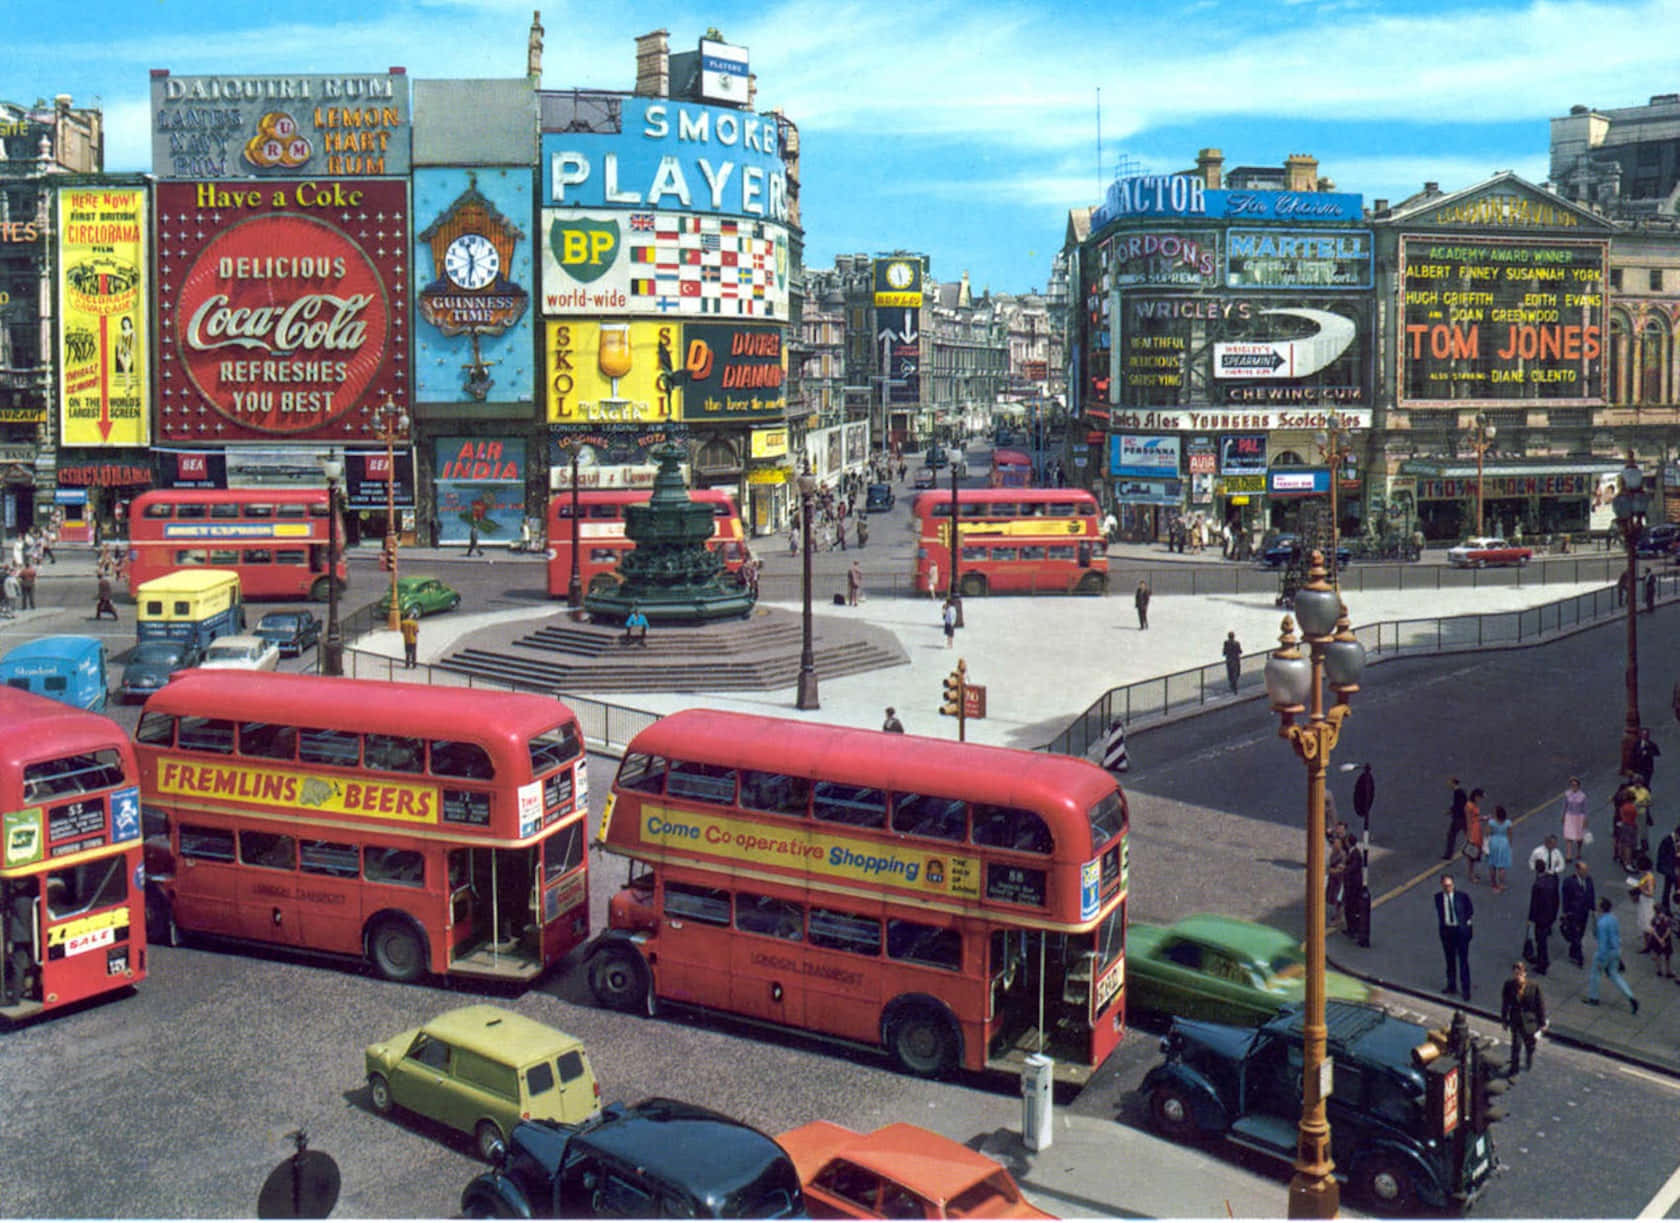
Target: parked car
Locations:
point(292, 632)
point(1659, 540)
point(878, 498)
point(241, 652)
point(657, 1158)
point(935, 457)
point(1221, 968)
point(926, 477)
point(900, 1172)
point(152, 663)
point(421, 597)
point(481, 1070)
point(1281, 551)
point(1399, 1153)
point(1480, 551)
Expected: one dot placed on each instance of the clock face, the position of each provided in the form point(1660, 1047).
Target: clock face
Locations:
point(899, 275)
point(471, 261)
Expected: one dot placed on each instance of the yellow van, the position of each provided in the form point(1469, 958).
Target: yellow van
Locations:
point(195, 605)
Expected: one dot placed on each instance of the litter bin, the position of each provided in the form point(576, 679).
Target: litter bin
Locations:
point(1037, 1080)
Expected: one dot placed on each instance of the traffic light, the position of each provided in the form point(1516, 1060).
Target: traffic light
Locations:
point(952, 705)
point(1483, 1090)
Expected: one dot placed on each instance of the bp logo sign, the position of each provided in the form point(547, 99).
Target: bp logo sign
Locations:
point(584, 248)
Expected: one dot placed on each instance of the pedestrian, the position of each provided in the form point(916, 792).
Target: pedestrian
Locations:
point(1626, 832)
point(1608, 959)
point(410, 638)
point(104, 604)
point(636, 626)
point(1141, 601)
point(1660, 943)
point(1335, 865)
point(863, 531)
point(8, 605)
point(1544, 901)
point(1642, 890)
point(1667, 864)
point(1644, 755)
point(793, 540)
point(1453, 915)
point(1456, 824)
point(26, 586)
point(1356, 898)
point(948, 619)
point(892, 725)
point(854, 584)
point(1498, 846)
point(1577, 901)
point(48, 536)
point(1548, 855)
point(1114, 758)
point(1522, 1009)
point(1574, 819)
point(1475, 835)
point(472, 537)
point(1650, 591)
point(1233, 659)
point(1624, 583)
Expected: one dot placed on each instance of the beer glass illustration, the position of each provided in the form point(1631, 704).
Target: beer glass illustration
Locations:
point(613, 357)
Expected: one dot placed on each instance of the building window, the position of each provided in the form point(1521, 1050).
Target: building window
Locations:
point(1653, 360)
point(1615, 278)
point(1656, 280)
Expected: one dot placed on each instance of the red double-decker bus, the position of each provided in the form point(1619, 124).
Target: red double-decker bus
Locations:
point(1010, 468)
point(1013, 541)
point(275, 539)
point(603, 542)
point(423, 829)
point(71, 899)
point(956, 904)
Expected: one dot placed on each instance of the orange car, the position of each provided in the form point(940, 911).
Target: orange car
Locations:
point(900, 1171)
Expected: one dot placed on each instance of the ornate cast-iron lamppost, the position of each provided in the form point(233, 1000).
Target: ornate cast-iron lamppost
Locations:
point(807, 695)
point(332, 649)
point(1296, 685)
point(390, 423)
point(1335, 444)
point(1482, 433)
point(1630, 506)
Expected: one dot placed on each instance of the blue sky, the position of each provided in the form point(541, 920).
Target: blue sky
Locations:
point(964, 130)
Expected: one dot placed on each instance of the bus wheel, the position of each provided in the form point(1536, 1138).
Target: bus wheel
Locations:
point(397, 950)
point(488, 1139)
point(922, 1041)
point(318, 590)
point(1092, 584)
point(617, 978)
point(379, 1092)
point(160, 920)
point(972, 585)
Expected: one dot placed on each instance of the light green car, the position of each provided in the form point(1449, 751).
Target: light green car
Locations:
point(421, 597)
point(482, 1070)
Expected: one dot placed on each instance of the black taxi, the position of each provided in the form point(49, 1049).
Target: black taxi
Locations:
point(1408, 1119)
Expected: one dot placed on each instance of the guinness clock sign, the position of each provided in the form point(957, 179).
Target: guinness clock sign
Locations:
point(472, 246)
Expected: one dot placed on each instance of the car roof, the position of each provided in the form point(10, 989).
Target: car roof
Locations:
point(283, 615)
point(1364, 1029)
point(933, 1165)
point(246, 641)
point(505, 1036)
point(1249, 938)
point(707, 1153)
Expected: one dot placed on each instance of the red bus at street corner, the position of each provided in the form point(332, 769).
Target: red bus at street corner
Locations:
point(72, 895)
point(952, 903)
point(422, 829)
point(276, 539)
point(1013, 540)
point(602, 539)
point(1010, 468)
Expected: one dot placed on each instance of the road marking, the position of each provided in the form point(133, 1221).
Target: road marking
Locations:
point(1666, 1197)
point(1659, 1079)
point(1437, 870)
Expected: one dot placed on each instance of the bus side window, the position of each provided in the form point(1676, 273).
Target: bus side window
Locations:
point(708, 905)
point(857, 806)
point(225, 509)
point(1011, 828)
point(920, 944)
point(332, 858)
point(268, 740)
point(709, 783)
point(269, 849)
point(340, 747)
point(191, 509)
point(923, 815)
point(258, 556)
point(770, 915)
point(394, 753)
point(850, 932)
point(156, 510)
point(642, 773)
point(404, 866)
point(206, 844)
point(776, 793)
point(454, 758)
point(207, 735)
point(191, 556)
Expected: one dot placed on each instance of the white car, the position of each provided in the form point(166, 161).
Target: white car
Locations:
point(241, 654)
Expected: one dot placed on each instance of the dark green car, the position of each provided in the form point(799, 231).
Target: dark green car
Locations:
point(1222, 969)
point(421, 597)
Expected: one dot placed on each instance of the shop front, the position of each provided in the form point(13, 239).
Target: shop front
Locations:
point(767, 480)
point(98, 492)
point(1533, 498)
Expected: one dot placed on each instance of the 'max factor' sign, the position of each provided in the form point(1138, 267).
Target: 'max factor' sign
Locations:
point(1179, 195)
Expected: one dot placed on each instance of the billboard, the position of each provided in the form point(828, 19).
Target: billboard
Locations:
point(223, 127)
point(601, 263)
point(473, 275)
point(1242, 454)
point(103, 336)
point(1131, 454)
point(612, 372)
point(1180, 195)
point(480, 480)
point(898, 340)
point(674, 157)
point(281, 308)
point(1495, 321)
point(723, 72)
point(732, 373)
point(1176, 258)
point(1297, 258)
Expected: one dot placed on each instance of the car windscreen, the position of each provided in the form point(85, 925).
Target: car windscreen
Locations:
point(156, 652)
point(284, 623)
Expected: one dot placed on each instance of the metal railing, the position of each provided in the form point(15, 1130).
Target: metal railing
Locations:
point(1168, 696)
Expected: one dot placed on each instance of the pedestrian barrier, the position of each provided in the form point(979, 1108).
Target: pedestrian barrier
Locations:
point(1182, 692)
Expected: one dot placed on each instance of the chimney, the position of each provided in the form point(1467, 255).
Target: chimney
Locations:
point(1209, 164)
point(1431, 188)
point(534, 48)
point(1300, 172)
point(1379, 206)
point(653, 65)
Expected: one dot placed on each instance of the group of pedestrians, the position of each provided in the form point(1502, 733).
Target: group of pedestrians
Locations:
point(23, 560)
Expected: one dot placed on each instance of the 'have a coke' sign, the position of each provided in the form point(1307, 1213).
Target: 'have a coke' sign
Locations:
point(282, 323)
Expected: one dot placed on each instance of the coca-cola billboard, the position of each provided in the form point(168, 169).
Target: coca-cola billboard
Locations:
point(280, 308)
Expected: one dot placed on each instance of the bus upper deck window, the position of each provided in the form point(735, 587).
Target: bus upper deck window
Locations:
point(455, 758)
point(156, 510)
point(296, 511)
point(225, 509)
point(260, 511)
point(708, 783)
point(156, 729)
point(923, 815)
point(777, 793)
point(858, 806)
point(642, 772)
point(1011, 828)
point(192, 509)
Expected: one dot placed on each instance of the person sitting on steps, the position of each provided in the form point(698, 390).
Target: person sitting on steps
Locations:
point(636, 626)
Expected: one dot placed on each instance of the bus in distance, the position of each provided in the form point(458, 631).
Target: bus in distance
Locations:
point(71, 883)
point(951, 903)
point(1013, 541)
point(603, 542)
point(423, 829)
point(276, 539)
point(1010, 468)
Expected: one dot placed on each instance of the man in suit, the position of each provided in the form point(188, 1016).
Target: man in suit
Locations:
point(1453, 912)
point(1578, 902)
point(1543, 903)
point(1459, 799)
point(1522, 1008)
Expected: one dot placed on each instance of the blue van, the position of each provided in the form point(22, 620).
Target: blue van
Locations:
point(64, 668)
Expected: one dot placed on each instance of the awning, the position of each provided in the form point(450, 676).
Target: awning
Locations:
point(1461, 469)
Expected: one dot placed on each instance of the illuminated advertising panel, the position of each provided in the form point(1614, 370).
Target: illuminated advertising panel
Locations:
point(280, 310)
point(671, 156)
point(1165, 258)
point(223, 127)
point(102, 320)
point(1495, 321)
point(602, 263)
point(1298, 258)
point(723, 71)
point(614, 372)
point(1180, 195)
point(480, 480)
point(1132, 454)
point(732, 373)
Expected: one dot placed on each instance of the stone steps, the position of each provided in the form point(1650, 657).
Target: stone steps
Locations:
point(626, 674)
point(590, 641)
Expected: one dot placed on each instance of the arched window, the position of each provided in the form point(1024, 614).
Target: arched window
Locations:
point(717, 455)
point(1288, 458)
point(1616, 359)
point(1653, 362)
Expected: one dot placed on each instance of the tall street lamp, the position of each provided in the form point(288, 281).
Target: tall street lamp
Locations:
point(390, 423)
point(1335, 444)
point(332, 649)
point(807, 695)
point(574, 587)
point(1296, 685)
point(1481, 435)
point(1630, 506)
